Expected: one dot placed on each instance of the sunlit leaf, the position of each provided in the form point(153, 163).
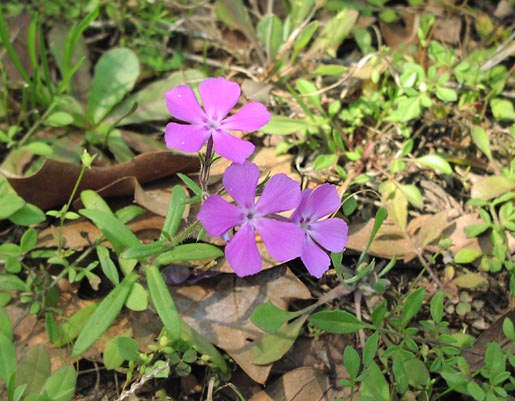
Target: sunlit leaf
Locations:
point(480, 139)
point(436, 162)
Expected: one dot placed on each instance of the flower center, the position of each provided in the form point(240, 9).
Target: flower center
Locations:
point(212, 124)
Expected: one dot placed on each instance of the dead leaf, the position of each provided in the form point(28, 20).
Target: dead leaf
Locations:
point(397, 34)
point(302, 384)
point(486, 188)
point(220, 310)
point(52, 184)
point(18, 28)
point(476, 355)
point(447, 29)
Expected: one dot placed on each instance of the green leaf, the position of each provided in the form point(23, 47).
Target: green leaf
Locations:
point(475, 391)
point(406, 109)
point(270, 318)
point(436, 307)
point(115, 75)
point(280, 125)
point(412, 305)
point(466, 255)
point(304, 37)
point(176, 207)
point(12, 282)
point(269, 31)
point(476, 229)
point(309, 91)
point(61, 385)
point(138, 298)
point(59, 119)
point(188, 252)
point(7, 358)
point(28, 240)
point(413, 195)
point(72, 327)
point(119, 235)
point(10, 204)
point(118, 350)
point(370, 349)
point(28, 215)
point(437, 163)
point(351, 361)
point(334, 32)
point(446, 94)
point(324, 161)
point(34, 369)
point(417, 372)
point(273, 347)
point(374, 385)
point(502, 109)
point(480, 139)
point(92, 200)
point(337, 321)
point(163, 302)
point(104, 315)
point(508, 329)
point(233, 13)
point(142, 251)
point(107, 265)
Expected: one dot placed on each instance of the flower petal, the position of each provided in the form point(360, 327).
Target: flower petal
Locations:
point(283, 239)
point(300, 212)
point(183, 105)
point(230, 147)
point(332, 234)
point(250, 117)
point(218, 216)
point(324, 200)
point(314, 258)
point(219, 96)
point(186, 138)
point(240, 181)
point(281, 193)
point(242, 252)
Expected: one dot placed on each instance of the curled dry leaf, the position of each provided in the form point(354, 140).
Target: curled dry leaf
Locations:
point(53, 183)
point(220, 310)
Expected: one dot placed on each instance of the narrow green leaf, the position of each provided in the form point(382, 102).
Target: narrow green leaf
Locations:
point(273, 347)
point(269, 31)
point(61, 385)
point(351, 361)
point(337, 321)
point(163, 302)
point(437, 163)
point(93, 201)
point(280, 125)
point(72, 327)
point(7, 358)
point(28, 240)
point(370, 349)
point(108, 266)
point(436, 307)
point(34, 369)
point(115, 75)
point(142, 251)
point(413, 195)
point(104, 315)
point(175, 211)
point(412, 305)
point(324, 161)
point(334, 32)
point(118, 234)
point(187, 252)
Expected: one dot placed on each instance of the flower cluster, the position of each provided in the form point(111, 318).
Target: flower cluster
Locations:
point(306, 234)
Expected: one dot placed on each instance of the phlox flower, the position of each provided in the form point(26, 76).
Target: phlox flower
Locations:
point(330, 234)
point(218, 96)
point(283, 239)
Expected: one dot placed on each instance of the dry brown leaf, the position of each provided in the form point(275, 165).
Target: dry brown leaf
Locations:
point(302, 384)
point(476, 355)
point(397, 34)
point(52, 184)
point(220, 310)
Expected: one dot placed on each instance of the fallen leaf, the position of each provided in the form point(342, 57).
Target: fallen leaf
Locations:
point(53, 183)
point(486, 188)
point(220, 310)
point(302, 384)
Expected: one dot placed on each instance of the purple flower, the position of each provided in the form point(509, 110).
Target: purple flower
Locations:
point(283, 239)
point(330, 234)
point(218, 96)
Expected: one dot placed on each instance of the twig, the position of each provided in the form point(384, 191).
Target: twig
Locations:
point(145, 378)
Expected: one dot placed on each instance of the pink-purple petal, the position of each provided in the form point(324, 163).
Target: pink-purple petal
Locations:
point(314, 258)
point(281, 193)
point(183, 105)
point(323, 201)
point(242, 252)
point(250, 117)
point(218, 216)
point(186, 138)
point(331, 234)
point(230, 147)
point(282, 239)
point(240, 181)
point(300, 212)
point(219, 96)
